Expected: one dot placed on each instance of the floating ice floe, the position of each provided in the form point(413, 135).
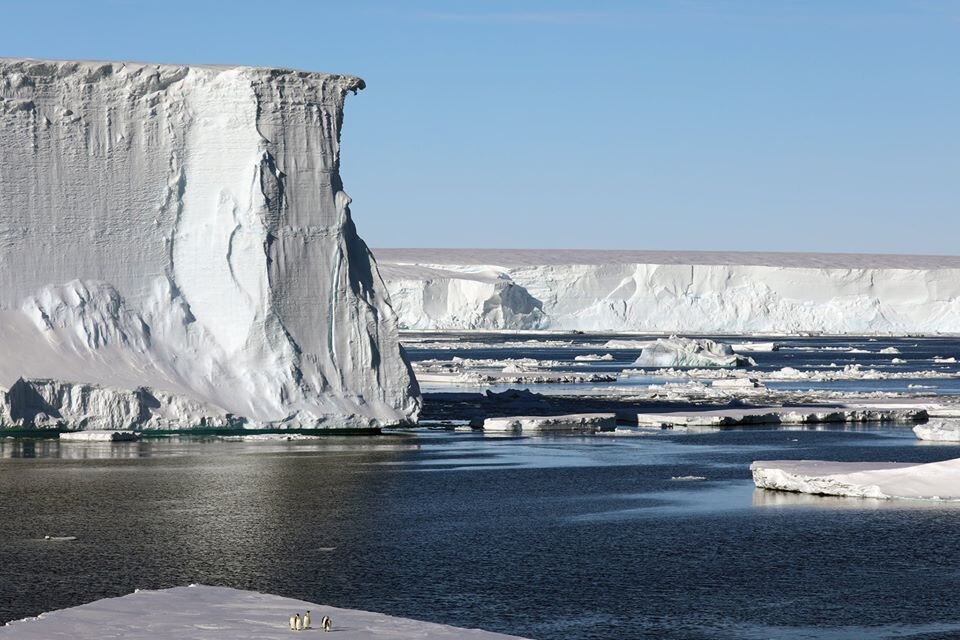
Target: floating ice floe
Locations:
point(889, 350)
point(577, 423)
point(885, 480)
point(690, 353)
point(594, 357)
point(755, 347)
point(98, 436)
point(776, 415)
point(938, 431)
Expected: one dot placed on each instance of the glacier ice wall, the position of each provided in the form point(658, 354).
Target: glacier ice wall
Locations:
point(185, 229)
point(681, 292)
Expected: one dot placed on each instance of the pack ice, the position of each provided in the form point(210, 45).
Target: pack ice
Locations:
point(673, 292)
point(177, 250)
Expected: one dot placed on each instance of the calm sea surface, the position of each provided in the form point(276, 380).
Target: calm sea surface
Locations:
point(568, 537)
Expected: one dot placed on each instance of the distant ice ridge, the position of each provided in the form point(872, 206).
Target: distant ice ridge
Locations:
point(673, 292)
point(177, 250)
point(690, 353)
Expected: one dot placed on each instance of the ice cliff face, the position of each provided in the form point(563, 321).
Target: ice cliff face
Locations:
point(675, 292)
point(183, 232)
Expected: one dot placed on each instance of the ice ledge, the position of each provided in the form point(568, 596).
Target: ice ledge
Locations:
point(212, 613)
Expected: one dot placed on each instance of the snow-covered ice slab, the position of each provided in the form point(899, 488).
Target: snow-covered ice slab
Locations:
point(690, 353)
point(176, 248)
point(886, 480)
point(938, 431)
point(576, 423)
point(98, 436)
point(788, 415)
point(218, 613)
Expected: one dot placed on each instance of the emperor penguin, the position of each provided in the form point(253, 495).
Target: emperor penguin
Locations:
point(297, 623)
point(306, 619)
point(293, 624)
point(326, 623)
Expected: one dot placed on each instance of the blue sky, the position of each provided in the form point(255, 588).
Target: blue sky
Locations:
point(784, 126)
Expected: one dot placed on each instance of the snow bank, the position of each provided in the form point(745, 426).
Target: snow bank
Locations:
point(577, 422)
point(184, 229)
point(681, 292)
point(690, 353)
point(887, 480)
point(218, 613)
point(938, 431)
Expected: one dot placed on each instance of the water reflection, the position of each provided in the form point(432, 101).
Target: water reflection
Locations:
point(765, 498)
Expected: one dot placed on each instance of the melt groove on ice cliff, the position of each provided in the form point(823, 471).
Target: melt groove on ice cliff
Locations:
point(182, 233)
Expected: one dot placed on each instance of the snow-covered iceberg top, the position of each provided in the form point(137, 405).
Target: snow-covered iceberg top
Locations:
point(885, 480)
point(938, 431)
point(218, 613)
point(184, 229)
point(690, 353)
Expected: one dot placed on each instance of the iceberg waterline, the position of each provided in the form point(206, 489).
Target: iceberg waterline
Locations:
point(176, 248)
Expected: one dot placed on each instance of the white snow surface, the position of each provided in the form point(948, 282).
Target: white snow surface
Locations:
point(884, 480)
point(183, 231)
point(219, 613)
point(673, 292)
point(690, 353)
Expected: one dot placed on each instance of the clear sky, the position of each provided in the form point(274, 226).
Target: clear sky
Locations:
point(787, 126)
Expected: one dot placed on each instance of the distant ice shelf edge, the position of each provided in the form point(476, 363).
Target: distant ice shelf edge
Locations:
point(673, 292)
point(176, 250)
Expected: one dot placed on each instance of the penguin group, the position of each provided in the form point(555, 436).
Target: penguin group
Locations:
point(301, 624)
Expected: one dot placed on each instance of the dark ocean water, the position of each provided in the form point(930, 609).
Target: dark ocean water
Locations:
point(565, 537)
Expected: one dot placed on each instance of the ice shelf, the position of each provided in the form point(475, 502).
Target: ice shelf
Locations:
point(673, 291)
point(213, 613)
point(177, 251)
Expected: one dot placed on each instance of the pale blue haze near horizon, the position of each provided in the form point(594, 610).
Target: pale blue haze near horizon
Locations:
point(762, 126)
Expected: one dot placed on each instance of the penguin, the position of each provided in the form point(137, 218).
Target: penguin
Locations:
point(297, 623)
point(326, 623)
point(306, 619)
point(293, 624)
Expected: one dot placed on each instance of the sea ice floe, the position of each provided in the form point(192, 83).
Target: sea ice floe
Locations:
point(690, 353)
point(938, 431)
point(885, 480)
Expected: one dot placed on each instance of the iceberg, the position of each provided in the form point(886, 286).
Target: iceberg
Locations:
point(201, 612)
point(177, 250)
point(690, 353)
point(884, 480)
point(675, 292)
point(938, 431)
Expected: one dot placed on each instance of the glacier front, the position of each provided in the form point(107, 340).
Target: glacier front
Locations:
point(673, 292)
point(177, 249)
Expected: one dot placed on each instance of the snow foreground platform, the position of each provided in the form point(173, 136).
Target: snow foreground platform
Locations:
point(673, 292)
point(213, 613)
point(884, 480)
point(177, 250)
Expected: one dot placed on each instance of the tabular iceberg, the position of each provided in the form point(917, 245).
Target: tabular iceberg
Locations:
point(673, 292)
point(176, 248)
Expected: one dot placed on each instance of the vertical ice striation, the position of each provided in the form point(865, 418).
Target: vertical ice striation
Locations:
point(185, 229)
